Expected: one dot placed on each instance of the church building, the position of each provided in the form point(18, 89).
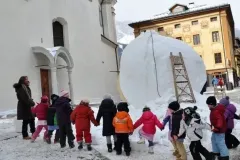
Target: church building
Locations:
point(60, 45)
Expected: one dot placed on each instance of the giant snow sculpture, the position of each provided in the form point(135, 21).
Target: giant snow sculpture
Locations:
point(146, 71)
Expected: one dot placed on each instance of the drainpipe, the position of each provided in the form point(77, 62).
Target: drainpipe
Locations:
point(101, 4)
point(102, 16)
point(117, 59)
point(224, 49)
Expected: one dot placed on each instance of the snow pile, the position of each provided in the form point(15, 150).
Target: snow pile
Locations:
point(8, 113)
point(138, 74)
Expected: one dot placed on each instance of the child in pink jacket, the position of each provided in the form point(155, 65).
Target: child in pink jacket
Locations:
point(41, 112)
point(149, 121)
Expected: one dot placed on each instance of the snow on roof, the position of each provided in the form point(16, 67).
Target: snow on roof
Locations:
point(190, 10)
point(53, 50)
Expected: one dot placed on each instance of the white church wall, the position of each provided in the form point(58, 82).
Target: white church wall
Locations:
point(62, 75)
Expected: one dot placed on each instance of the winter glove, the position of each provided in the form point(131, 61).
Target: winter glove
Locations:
point(236, 117)
point(96, 124)
point(130, 133)
point(214, 129)
point(175, 137)
point(73, 123)
point(162, 128)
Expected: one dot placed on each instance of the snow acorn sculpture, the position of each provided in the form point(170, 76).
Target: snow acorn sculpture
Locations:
point(146, 70)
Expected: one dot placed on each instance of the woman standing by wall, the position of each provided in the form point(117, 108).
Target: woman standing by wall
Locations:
point(25, 103)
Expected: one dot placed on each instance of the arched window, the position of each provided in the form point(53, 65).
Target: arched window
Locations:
point(58, 36)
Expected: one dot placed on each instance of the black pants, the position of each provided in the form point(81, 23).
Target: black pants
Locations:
point(123, 139)
point(196, 148)
point(150, 143)
point(66, 131)
point(230, 140)
point(31, 123)
point(57, 134)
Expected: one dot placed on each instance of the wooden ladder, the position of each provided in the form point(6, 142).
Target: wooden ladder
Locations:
point(183, 88)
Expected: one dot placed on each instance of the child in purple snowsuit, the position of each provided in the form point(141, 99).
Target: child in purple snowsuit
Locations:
point(230, 115)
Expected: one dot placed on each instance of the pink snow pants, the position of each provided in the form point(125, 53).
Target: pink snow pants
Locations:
point(38, 130)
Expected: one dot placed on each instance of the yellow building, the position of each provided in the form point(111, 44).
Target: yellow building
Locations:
point(209, 30)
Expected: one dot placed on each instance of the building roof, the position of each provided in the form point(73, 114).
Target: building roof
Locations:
point(190, 11)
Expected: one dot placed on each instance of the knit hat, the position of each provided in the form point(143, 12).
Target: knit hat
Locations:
point(107, 96)
point(54, 97)
point(225, 101)
point(174, 106)
point(85, 102)
point(211, 100)
point(191, 112)
point(122, 106)
point(146, 109)
point(44, 99)
point(64, 93)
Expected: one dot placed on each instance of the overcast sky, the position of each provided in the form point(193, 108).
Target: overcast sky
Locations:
point(135, 10)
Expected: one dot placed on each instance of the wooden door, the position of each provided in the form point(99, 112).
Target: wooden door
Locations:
point(45, 82)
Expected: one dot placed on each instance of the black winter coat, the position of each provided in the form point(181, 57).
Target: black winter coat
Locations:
point(63, 110)
point(50, 115)
point(176, 120)
point(25, 102)
point(107, 110)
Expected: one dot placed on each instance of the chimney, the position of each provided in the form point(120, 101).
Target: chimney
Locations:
point(191, 5)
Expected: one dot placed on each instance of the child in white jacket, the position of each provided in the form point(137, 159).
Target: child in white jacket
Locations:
point(193, 127)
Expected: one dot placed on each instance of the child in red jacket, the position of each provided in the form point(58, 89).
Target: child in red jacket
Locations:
point(81, 116)
point(41, 112)
point(149, 121)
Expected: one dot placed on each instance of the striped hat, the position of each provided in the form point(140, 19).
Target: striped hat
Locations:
point(64, 93)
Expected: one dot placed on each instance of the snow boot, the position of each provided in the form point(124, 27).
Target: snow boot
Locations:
point(115, 144)
point(236, 145)
point(128, 154)
point(56, 141)
point(63, 146)
point(27, 138)
point(71, 145)
point(109, 148)
point(89, 147)
point(223, 158)
point(48, 140)
point(118, 153)
point(215, 155)
point(150, 150)
point(211, 157)
point(80, 145)
point(141, 141)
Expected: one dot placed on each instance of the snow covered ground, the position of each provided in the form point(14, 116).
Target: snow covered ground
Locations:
point(16, 148)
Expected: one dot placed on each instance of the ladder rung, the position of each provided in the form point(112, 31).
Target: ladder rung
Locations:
point(181, 81)
point(190, 101)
